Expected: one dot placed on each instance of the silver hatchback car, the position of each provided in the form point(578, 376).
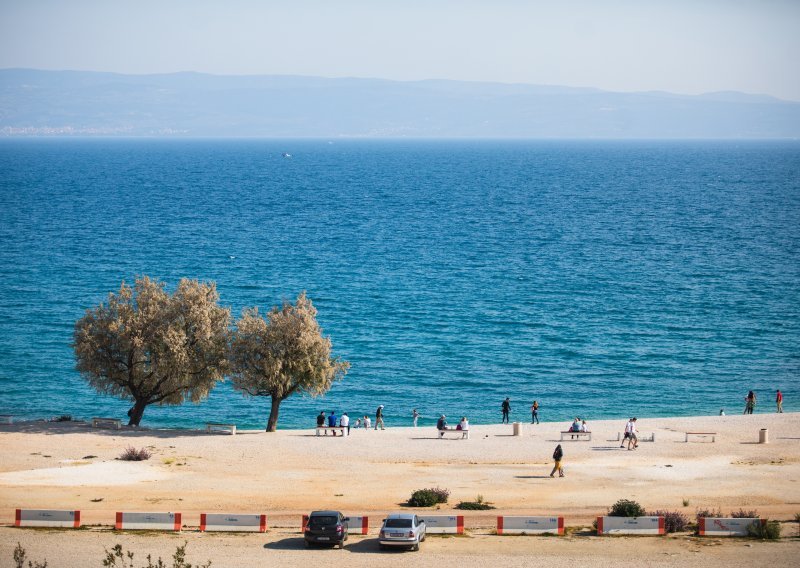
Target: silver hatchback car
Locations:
point(402, 529)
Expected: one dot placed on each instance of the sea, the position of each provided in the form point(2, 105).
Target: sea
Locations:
point(604, 279)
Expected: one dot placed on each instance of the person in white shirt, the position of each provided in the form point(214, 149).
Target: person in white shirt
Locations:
point(415, 415)
point(344, 422)
point(584, 427)
point(366, 422)
point(464, 427)
point(632, 438)
point(628, 426)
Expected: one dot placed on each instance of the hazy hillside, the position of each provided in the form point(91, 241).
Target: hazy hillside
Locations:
point(192, 104)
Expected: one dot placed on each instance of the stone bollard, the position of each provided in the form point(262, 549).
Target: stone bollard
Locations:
point(763, 436)
point(517, 428)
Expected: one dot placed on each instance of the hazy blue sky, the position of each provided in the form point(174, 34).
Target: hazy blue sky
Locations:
point(684, 46)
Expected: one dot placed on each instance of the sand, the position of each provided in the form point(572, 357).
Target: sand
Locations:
point(284, 474)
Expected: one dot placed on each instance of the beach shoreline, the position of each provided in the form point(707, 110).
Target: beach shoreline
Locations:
point(70, 465)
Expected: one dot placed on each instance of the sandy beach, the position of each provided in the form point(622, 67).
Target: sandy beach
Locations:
point(67, 465)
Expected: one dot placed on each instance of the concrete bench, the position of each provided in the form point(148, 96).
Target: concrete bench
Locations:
point(651, 438)
point(342, 429)
point(218, 426)
point(6, 418)
point(712, 434)
point(115, 422)
point(572, 434)
point(462, 433)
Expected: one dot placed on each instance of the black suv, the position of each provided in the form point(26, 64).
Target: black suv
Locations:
point(326, 527)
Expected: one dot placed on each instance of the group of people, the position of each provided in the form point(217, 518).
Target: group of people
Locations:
point(750, 403)
point(332, 421)
point(630, 435)
point(462, 426)
point(505, 411)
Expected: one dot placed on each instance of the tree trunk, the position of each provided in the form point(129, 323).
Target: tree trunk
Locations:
point(272, 421)
point(136, 412)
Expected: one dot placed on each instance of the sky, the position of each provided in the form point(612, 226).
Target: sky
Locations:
point(679, 46)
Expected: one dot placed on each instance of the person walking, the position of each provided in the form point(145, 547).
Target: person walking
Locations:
point(632, 437)
point(628, 429)
point(749, 402)
point(535, 412)
point(506, 408)
point(779, 401)
point(558, 456)
point(379, 418)
point(415, 415)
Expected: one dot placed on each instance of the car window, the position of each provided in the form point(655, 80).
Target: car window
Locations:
point(398, 523)
point(322, 521)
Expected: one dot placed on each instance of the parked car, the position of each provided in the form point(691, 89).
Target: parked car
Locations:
point(402, 529)
point(326, 527)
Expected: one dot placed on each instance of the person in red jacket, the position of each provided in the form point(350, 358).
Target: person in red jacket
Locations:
point(779, 401)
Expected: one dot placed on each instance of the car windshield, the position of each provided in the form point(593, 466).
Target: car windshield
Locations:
point(322, 521)
point(398, 523)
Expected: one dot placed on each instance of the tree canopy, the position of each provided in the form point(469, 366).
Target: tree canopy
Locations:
point(151, 347)
point(283, 354)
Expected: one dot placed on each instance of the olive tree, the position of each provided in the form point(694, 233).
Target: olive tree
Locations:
point(283, 354)
point(151, 347)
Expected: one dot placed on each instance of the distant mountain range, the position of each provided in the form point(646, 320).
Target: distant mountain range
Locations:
point(77, 103)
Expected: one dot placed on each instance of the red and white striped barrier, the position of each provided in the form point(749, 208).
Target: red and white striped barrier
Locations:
point(530, 525)
point(718, 526)
point(47, 518)
point(358, 525)
point(630, 525)
point(442, 524)
point(148, 521)
point(218, 522)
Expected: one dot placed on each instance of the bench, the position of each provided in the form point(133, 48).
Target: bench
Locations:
point(218, 426)
point(712, 434)
point(342, 429)
point(652, 437)
point(115, 422)
point(463, 433)
point(578, 434)
point(6, 418)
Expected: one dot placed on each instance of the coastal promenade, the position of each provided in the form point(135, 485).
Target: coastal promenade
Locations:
point(285, 474)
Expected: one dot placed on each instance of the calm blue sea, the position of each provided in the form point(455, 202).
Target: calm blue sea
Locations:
point(604, 279)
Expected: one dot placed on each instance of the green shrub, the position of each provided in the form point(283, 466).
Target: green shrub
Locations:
point(626, 508)
point(674, 521)
point(20, 555)
point(428, 497)
point(708, 513)
point(125, 559)
point(767, 530)
point(477, 505)
point(742, 514)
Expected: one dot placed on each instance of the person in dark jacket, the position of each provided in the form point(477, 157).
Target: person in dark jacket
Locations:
point(441, 425)
point(506, 408)
point(321, 421)
point(379, 418)
point(558, 455)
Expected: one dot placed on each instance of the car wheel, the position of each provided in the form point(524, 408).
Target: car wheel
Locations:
point(424, 536)
point(382, 546)
point(415, 548)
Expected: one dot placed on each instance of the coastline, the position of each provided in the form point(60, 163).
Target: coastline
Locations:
point(47, 465)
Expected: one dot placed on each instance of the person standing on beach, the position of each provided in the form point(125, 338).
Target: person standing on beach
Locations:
point(779, 401)
point(535, 412)
point(415, 416)
point(379, 418)
point(749, 402)
point(558, 455)
point(506, 408)
point(344, 422)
